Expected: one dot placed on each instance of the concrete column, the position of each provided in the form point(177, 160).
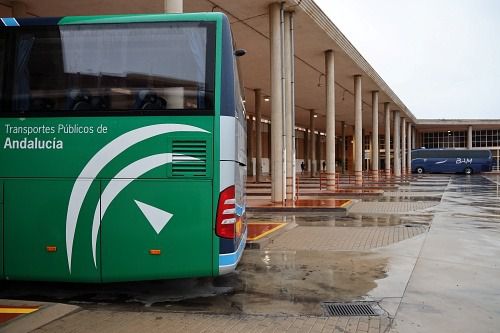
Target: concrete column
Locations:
point(403, 146)
point(363, 142)
point(277, 148)
point(343, 154)
point(289, 107)
point(469, 137)
point(353, 148)
point(312, 145)
point(292, 106)
point(330, 119)
point(414, 138)
point(408, 145)
point(19, 9)
point(306, 150)
point(369, 162)
point(358, 131)
point(319, 152)
point(269, 148)
point(174, 6)
point(397, 142)
point(258, 135)
point(374, 146)
point(387, 138)
point(250, 125)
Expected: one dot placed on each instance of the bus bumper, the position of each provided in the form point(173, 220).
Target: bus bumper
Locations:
point(229, 261)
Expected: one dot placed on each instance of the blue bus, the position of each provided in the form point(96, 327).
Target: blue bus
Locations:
point(450, 161)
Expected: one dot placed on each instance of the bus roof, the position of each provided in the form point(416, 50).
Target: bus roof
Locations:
point(448, 149)
point(128, 18)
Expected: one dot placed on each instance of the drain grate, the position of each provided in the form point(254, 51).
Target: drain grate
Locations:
point(332, 309)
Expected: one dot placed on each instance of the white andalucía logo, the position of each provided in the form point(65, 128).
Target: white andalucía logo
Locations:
point(158, 218)
point(119, 182)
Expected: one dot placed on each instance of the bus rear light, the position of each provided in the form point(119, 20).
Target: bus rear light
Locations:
point(229, 211)
point(154, 252)
point(229, 221)
point(226, 213)
point(51, 248)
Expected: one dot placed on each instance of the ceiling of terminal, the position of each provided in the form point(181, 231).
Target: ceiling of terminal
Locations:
point(314, 34)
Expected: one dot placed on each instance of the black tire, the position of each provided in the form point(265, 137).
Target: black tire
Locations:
point(468, 171)
point(419, 170)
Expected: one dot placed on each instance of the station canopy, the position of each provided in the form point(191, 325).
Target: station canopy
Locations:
point(314, 34)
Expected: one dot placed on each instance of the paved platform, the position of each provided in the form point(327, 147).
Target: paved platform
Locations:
point(125, 322)
point(343, 238)
point(390, 207)
point(300, 205)
point(313, 195)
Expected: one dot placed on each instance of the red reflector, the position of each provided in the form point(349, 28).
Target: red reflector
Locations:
point(155, 252)
point(226, 217)
point(51, 248)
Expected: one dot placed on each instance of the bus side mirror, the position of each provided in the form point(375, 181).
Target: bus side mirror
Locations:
point(240, 52)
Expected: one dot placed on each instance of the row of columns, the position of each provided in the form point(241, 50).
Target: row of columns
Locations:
point(282, 164)
point(311, 141)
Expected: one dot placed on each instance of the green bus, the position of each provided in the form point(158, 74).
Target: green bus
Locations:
point(123, 148)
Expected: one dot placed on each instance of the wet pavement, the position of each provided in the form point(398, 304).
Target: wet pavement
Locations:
point(431, 268)
point(455, 286)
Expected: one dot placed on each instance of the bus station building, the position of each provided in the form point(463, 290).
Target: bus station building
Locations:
point(310, 96)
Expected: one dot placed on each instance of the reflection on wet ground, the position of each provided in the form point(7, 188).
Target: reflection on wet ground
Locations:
point(354, 220)
point(267, 282)
point(460, 257)
point(400, 197)
point(474, 196)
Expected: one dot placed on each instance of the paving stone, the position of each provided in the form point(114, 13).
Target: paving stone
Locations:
point(390, 207)
point(342, 238)
point(97, 321)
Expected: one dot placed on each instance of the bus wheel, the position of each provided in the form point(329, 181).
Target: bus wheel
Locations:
point(468, 171)
point(419, 170)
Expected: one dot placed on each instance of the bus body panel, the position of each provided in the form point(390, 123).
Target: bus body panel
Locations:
point(1, 231)
point(232, 153)
point(35, 221)
point(135, 249)
point(36, 207)
point(232, 249)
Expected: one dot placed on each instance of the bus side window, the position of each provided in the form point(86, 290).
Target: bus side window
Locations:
point(78, 99)
point(149, 100)
point(3, 41)
point(22, 89)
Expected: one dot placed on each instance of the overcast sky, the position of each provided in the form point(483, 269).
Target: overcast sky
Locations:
point(441, 57)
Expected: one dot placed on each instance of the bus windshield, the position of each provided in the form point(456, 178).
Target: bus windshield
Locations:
point(113, 67)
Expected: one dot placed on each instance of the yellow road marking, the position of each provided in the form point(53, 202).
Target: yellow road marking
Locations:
point(278, 225)
point(16, 310)
point(345, 204)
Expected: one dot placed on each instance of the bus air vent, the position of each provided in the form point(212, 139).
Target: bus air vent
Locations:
point(189, 158)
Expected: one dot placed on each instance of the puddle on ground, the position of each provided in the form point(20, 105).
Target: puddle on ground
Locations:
point(291, 282)
point(351, 220)
point(403, 198)
point(266, 282)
